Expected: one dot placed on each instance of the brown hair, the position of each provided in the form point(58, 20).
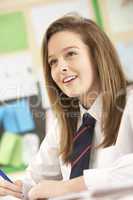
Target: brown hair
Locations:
point(112, 80)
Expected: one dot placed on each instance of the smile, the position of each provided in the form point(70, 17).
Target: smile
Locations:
point(69, 78)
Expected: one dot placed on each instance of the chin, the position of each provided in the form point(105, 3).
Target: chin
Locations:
point(72, 95)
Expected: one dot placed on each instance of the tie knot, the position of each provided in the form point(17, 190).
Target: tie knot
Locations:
point(88, 120)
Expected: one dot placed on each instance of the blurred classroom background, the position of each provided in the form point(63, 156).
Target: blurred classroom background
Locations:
point(25, 113)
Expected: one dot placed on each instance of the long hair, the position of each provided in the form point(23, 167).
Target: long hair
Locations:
point(112, 81)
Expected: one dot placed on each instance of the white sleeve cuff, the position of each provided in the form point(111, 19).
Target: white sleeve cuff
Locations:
point(96, 178)
point(27, 185)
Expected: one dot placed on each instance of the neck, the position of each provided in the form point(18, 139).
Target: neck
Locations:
point(88, 99)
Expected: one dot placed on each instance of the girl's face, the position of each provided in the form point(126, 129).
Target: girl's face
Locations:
point(71, 66)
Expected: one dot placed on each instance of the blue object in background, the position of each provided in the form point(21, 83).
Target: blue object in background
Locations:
point(17, 117)
point(9, 120)
point(1, 113)
point(24, 117)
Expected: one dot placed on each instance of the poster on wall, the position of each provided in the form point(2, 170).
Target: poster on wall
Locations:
point(13, 33)
point(42, 16)
point(16, 76)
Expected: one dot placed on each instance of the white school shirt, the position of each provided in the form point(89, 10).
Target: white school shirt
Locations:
point(108, 166)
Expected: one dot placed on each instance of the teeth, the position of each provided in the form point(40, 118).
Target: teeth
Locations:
point(69, 78)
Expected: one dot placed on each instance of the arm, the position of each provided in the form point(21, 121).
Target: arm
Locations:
point(45, 165)
point(47, 189)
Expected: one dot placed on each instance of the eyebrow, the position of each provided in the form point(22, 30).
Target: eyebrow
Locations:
point(64, 49)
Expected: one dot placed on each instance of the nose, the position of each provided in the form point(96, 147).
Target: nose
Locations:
point(63, 65)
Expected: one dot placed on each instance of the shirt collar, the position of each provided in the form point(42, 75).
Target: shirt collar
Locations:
point(95, 110)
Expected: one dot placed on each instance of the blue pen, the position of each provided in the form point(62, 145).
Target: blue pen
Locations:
point(4, 176)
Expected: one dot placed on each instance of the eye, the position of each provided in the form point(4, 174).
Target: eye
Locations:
point(71, 53)
point(52, 62)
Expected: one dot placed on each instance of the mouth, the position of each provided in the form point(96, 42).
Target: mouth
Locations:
point(69, 79)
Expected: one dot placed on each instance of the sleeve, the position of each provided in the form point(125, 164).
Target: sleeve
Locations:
point(46, 164)
point(120, 173)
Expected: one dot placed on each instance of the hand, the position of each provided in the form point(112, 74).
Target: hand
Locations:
point(47, 189)
point(13, 189)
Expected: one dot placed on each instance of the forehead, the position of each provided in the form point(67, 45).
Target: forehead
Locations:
point(63, 40)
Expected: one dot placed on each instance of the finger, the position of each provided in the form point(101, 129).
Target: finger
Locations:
point(10, 186)
point(5, 192)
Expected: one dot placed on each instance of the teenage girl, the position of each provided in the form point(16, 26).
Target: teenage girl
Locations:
point(83, 75)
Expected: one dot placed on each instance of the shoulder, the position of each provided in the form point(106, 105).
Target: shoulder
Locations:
point(129, 97)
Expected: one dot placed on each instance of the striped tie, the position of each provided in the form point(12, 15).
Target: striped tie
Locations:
point(82, 143)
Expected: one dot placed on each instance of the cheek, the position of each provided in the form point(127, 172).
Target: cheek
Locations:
point(54, 76)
